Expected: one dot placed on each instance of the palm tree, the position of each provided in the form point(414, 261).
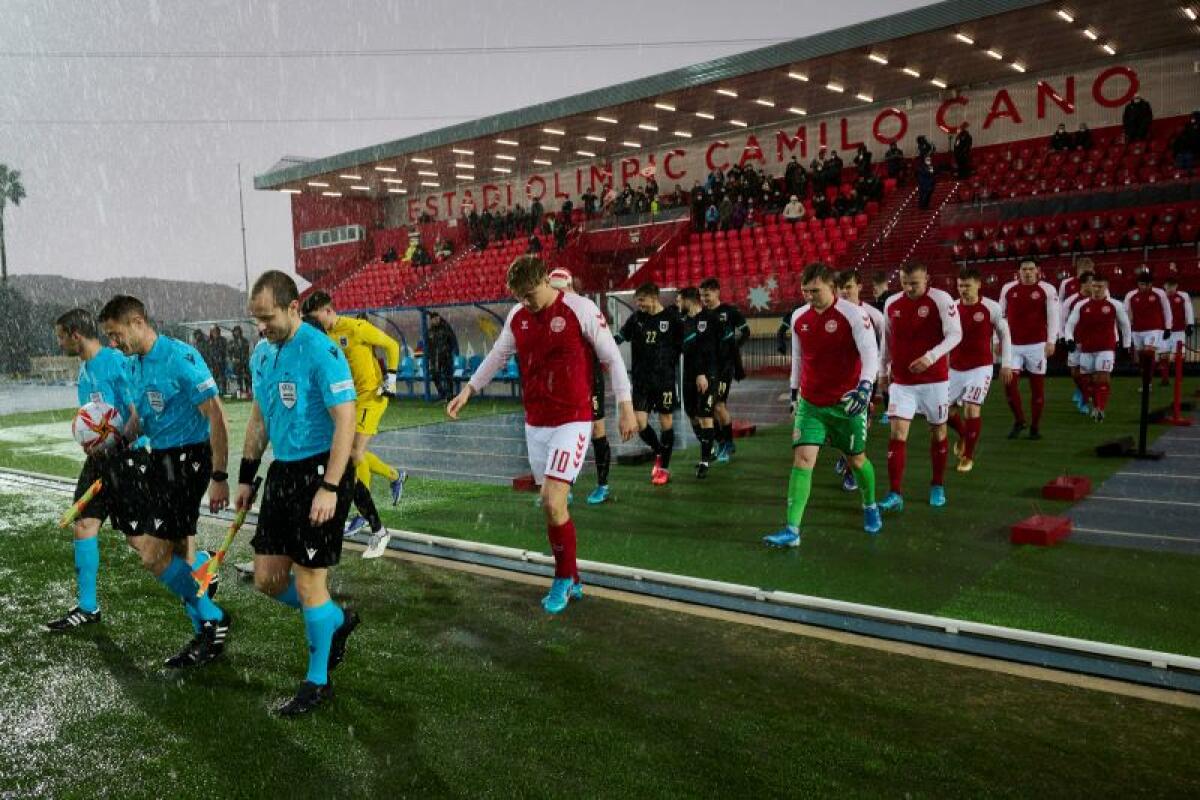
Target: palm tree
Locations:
point(10, 190)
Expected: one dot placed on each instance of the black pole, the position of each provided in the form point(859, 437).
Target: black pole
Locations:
point(1144, 423)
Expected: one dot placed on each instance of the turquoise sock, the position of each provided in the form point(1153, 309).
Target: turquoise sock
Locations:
point(289, 596)
point(177, 577)
point(87, 566)
point(320, 622)
point(193, 614)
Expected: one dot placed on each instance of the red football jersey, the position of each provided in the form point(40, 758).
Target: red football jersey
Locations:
point(554, 350)
point(1182, 313)
point(980, 322)
point(1148, 309)
point(1094, 325)
point(926, 326)
point(1031, 311)
point(1068, 287)
point(832, 350)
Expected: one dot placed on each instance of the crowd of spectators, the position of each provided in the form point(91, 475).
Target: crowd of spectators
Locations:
point(227, 359)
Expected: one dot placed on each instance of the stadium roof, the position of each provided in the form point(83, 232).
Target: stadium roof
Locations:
point(952, 44)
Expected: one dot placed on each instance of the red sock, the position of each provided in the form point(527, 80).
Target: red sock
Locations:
point(937, 453)
point(897, 454)
point(1038, 401)
point(974, 425)
point(1081, 383)
point(1164, 367)
point(1089, 390)
point(1101, 391)
point(1013, 393)
point(562, 544)
point(956, 424)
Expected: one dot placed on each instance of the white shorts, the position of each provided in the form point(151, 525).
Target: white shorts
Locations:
point(930, 400)
point(970, 386)
point(1168, 344)
point(1146, 340)
point(1073, 359)
point(1028, 358)
point(557, 452)
point(1096, 362)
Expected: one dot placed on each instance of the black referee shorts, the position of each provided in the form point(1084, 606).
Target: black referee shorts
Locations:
point(653, 397)
point(283, 526)
point(696, 403)
point(113, 501)
point(598, 395)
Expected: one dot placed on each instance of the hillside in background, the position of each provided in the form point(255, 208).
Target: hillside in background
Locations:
point(167, 301)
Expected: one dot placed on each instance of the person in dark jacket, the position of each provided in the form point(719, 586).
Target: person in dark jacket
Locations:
point(219, 353)
point(441, 347)
point(1136, 119)
point(862, 160)
point(962, 151)
point(239, 360)
point(1186, 145)
point(925, 149)
point(1082, 140)
point(1061, 140)
point(926, 179)
point(894, 158)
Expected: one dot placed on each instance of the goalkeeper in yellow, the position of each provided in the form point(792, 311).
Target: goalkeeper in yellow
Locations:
point(358, 340)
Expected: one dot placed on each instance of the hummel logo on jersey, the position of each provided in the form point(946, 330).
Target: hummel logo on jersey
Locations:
point(524, 324)
point(804, 327)
point(134, 524)
point(195, 466)
point(191, 359)
point(312, 552)
point(157, 524)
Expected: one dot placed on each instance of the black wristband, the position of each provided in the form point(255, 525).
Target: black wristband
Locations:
point(219, 476)
point(248, 470)
point(329, 487)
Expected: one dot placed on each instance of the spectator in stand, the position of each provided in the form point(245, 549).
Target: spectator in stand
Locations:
point(817, 173)
point(738, 216)
point(794, 210)
point(862, 160)
point(869, 188)
point(218, 351)
point(1136, 119)
point(562, 224)
point(535, 244)
point(726, 211)
point(1061, 140)
point(589, 203)
point(420, 256)
point(821, 207)
point(962, 151)
point(849, 205)
point(654, 207)
point(1082, 139)
point(651, 187)
point(775, 202)
point(1187, 144)
point(925, 149)
point(833, 170)
point(239, 360)
point(536, 213)
point(699, 205)
point(894, 158)
point(712, 218)
point(444, 249)
point(390, 256)
point(751, 213)
point(200, 342)
point(441, 347)
point(926, 180)
point(794, 177)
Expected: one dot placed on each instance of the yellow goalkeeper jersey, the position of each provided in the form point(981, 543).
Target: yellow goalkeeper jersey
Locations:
point(358, 339)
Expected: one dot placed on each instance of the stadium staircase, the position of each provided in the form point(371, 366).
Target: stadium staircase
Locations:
point(907, 234)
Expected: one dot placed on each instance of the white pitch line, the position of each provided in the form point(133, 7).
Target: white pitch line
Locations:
point(1162, 475)
point(1131, 535)
point(1140, 500)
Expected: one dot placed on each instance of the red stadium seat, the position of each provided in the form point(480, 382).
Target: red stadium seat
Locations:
point(1163, 233)
point(1088, 239)
point(1112, 239)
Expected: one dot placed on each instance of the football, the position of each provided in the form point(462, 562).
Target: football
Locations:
point(97, 427)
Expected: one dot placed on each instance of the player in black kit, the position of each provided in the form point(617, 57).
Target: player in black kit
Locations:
point(655, 336)
point(733, 333)
point(699, 371)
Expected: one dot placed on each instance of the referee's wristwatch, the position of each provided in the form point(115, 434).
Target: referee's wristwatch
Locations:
point(329, 487)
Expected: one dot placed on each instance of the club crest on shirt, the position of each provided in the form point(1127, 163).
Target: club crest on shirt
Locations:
point(978, 317)
point(663, 325)
point(702, 326)
point(923, 312)
point(831, 326)
point(1105, 309)
point(287, 393)
point(1036, 295)
point(558, 325)
point(155, 399)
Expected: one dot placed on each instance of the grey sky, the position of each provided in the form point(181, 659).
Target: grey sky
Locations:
point(160, 199)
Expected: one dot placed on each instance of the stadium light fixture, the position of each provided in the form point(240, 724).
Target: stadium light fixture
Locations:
point(835, 87)
point(465, 177)
point(962, 37)
point(462, 152)
point(393, 180)
point(351, 177)
point(1108, 48)
point(799, 112)
point(866, 98)
point(738, 122)
point(554, 131)
point(1187, 10)
point(634, 145)
point(1065, 15)
point(290, 191)
point(319, 184)
point(543, 162)
point(505, 157)
point(463, 165)
point(878, 58)
point(912, 73)
point(385, 169)
point(508, 142)
point(938, 82)
point(361, 188)
point(504, 170)
point(1091, 34)
point(683, 134)
point(549, 148)
point(331, 194)
point(431, 184)
point(798, 76)
point(704, 115)
point(585, 153)
point(727, 92)
point(1018, 66)
point(996, 54)
point(421, 160)
point(609, 120)
point(593, 138)
point(646, 126)
point(762, 101)
point(397, 191)
point(664, 106)
point(426, 173)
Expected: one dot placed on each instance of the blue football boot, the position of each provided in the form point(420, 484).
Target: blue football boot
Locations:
point(937, 496)
point(783, 538)
point(893, 502)
point(356, 525)
point(872, 519)
point(397, 487)
point(848, 482)
point(559, 596)
point(598, 495)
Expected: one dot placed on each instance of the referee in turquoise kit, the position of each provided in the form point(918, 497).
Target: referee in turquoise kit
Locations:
point(304, 408)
